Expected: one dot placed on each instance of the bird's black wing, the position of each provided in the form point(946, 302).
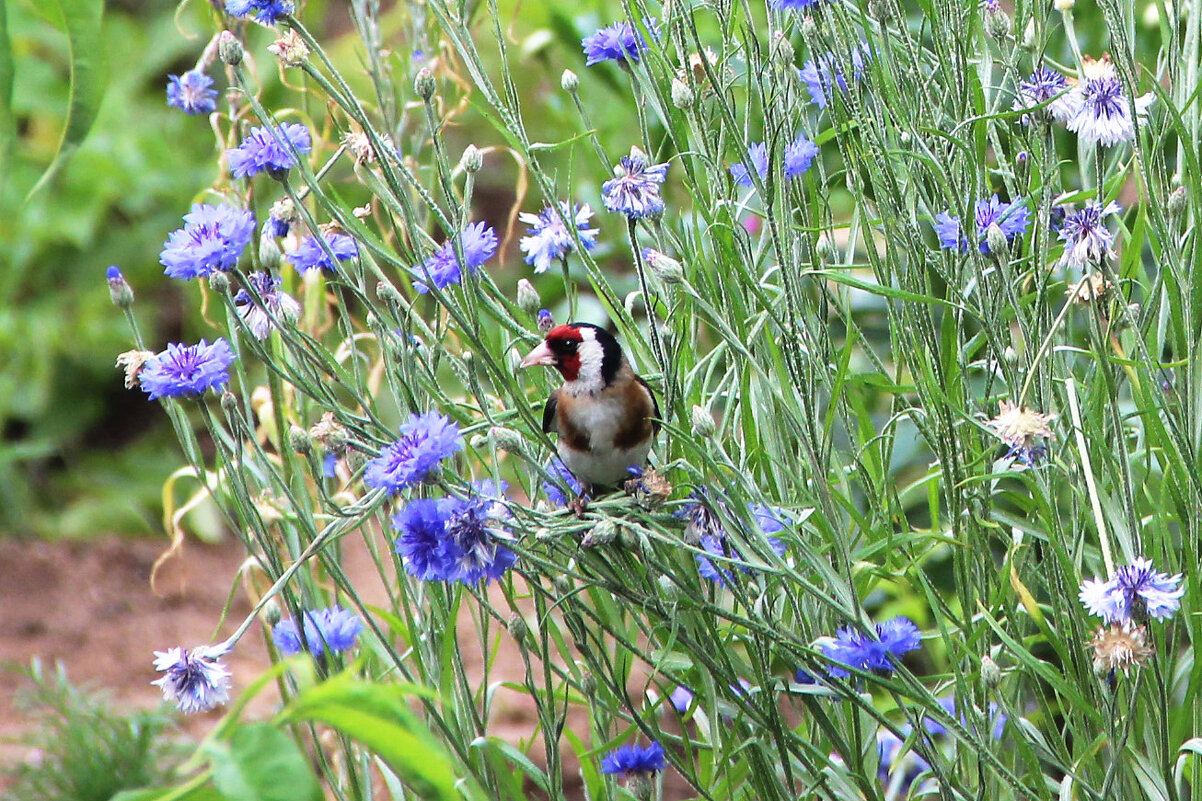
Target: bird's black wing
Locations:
point(549, 413)
point(655, 423)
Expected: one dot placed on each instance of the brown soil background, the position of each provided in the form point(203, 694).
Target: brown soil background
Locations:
point(90, 606)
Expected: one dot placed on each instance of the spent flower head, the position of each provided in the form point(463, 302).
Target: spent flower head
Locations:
point(548, 239)
point(187, 370)
point(195, 680)
point(425, 441)
point(478, 243)
point(213, 238)
point(270, 150)
point(1122, 647)
point(334, 629)
point(192, 92)
point(1024, 430)
point(635, 188)
point(1134, 593)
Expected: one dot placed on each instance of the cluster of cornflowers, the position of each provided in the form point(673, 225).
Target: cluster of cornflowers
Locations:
point(1094, 106)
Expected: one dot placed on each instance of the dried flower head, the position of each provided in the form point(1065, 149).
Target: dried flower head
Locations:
point(290, 49)
point(131, 361)
point(1090, 288)
point(360, 146)
point(647, 486)
point(1024, 430)
point(1120, 648)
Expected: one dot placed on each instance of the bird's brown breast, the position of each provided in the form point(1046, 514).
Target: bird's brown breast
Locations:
point(630, 404)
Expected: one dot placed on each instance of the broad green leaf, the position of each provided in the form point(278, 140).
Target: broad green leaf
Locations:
point(378, 717)
point(262, 763)
point(81, 20)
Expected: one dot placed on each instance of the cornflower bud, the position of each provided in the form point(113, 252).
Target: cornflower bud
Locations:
point(991, 674)
point(666, 269)
point(120, 291)
point(569, 81)
point(528, 298)
point(505, 439)
point(472, 159)
point(602, 533)
point(996, 238)
point(703, 423)
point(1177, 200)
point(517, 628)
point(545, 321)
point(299, 440)
point(229, 49)
point(682, 95)
point(997, 22)
point(219, 282)
point(389, 293)
point(269, 251)
point(424, 84)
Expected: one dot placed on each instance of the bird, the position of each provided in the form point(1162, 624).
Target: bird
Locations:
point(604, 415)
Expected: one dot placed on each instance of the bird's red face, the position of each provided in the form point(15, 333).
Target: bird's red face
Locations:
point(561, 350)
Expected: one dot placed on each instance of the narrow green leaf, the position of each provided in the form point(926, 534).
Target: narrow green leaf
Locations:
point(81, 20)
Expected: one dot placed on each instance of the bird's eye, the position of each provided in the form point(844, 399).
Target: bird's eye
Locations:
point(564, 346)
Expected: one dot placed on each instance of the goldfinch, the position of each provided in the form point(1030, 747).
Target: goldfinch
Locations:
point(604, 415)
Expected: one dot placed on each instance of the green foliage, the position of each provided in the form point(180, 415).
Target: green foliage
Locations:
point(86, 750)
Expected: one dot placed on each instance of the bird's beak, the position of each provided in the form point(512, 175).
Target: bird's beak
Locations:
point(541, 355)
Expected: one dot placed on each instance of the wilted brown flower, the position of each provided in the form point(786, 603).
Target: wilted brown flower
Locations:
point(1120, 648)
point(131, 361)
point(1087, 290)
point(1023, 429)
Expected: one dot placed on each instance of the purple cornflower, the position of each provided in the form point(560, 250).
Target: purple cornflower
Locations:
point(823, 73)
point(1043, 85)
point(273, 306)
point(334, 628)
point(1013, 218)
point(797, 5)
point(264, 11)
point(310, 255)
point(455, 539)
point(757, 154)
point(634, 759)
point(1134, 593)
point(184, 370)
point(260, 151)
point(618, 42)
point(681, 698)
point(1087, 241)
point(714, 539)
point(559, 476)
point(635, 188)
point(213, 237)
point(442, 269)
point(195, 680)
point(1104, 115)
point(549, 239)
point(424, 442)
point(864, 651)
point(799, 155)
point(190, 92)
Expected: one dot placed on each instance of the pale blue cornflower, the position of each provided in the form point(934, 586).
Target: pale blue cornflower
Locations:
point(213, 238)
point(1012, 218)
point(195, 680)
point(681, 699)
point(1087, 240)
point(705, 527)
point(878, 650)
point(260, 151)
point(1134, 593)
point(310, 255)
point(425, 441)
point(1043, 85)
point(478, 243)
point(191, 92)
point(334, 629)
point(635, 188)
point(619, 42)
point(272, 306)
point(187, 370)
point(1104, 115)
point(549, 239)
point(823, 74)
point(798, 5)
point(799, 154)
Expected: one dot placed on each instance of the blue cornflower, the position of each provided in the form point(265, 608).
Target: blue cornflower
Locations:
point(455, 539)
point(310, 255)
point(864, 651)
point(478, 242)
point(799, 155)
point(334, 628)
point(797, 5)
point(213, 237)
point(260, 151)
point(997, 719)
point(264, 11)
point(896, 767)
point(545, 320)
point(823, 73)
point(1013, 218)
point(549, 239)
point(273, 306)
point(681, 698)
point(634, 189)
point(424, 442)
point(195, 680)
point(559, 476)
point(1087, 241)
point(1104, 115)
point(190, 92)
point(704, 524)
point(183, 370)
point(1043, 85)
point(617, 42)
point(120, 292)
point(1134, 593)
point(758, 156)
point(634, 759)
